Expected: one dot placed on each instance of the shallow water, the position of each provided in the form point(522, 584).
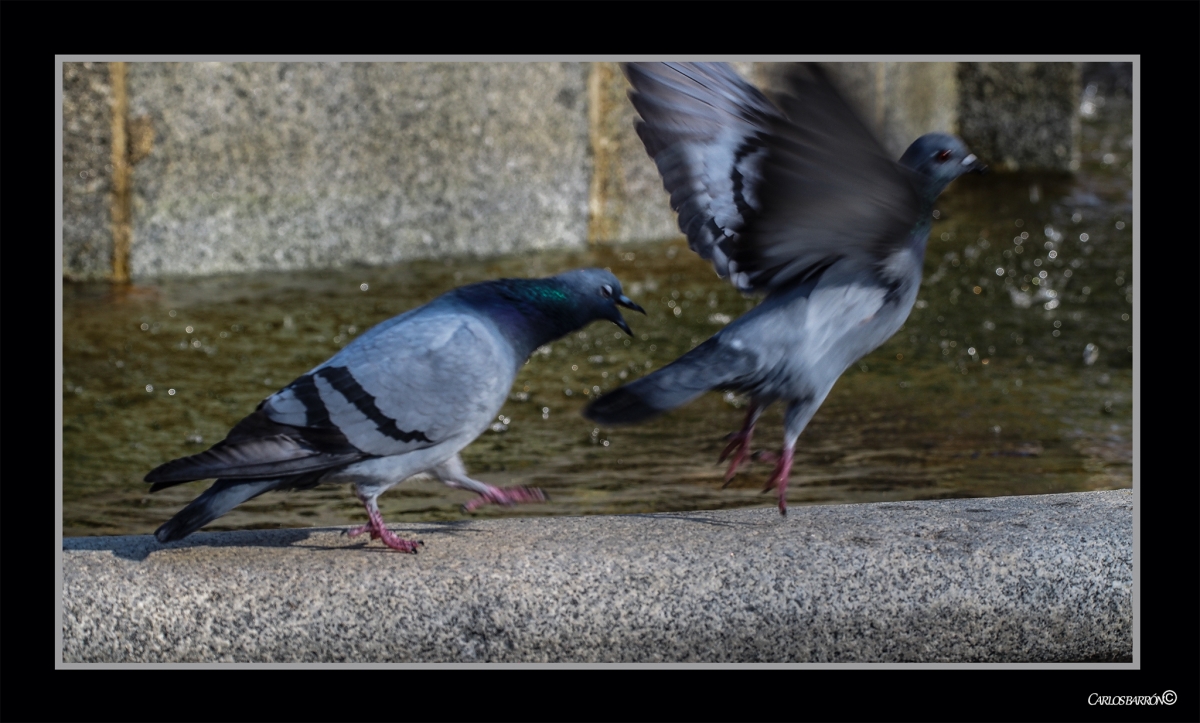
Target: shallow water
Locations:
point(987, 390)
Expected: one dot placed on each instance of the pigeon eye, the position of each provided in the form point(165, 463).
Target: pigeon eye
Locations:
point(944, 155)
point(606, 291)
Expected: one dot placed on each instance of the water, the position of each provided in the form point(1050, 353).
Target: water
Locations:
point(986, 391)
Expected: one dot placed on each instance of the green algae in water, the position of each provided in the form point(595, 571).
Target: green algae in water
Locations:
point(987, 390)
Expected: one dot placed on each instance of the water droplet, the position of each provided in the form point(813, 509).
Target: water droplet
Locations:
point(1083, 237)
point(363, 287)
point(149, 387)
point(171, 392)
point(1091, 353)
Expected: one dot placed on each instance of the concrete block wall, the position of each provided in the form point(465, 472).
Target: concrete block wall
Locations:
point(257, 166)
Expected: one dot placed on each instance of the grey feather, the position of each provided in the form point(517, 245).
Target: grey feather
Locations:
point(403, 398)
point(711, 365)
point(798, 202)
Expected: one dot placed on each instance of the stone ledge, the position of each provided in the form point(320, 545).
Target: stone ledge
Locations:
point(1012, 579)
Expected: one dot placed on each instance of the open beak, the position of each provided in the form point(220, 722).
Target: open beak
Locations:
point(625, 301)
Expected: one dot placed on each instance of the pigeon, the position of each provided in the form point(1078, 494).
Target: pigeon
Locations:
point(403, 398)
point(800, 203)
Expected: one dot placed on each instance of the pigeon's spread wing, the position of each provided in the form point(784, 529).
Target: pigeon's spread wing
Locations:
point(770, 197)
point(411, 385)
point(704, 127)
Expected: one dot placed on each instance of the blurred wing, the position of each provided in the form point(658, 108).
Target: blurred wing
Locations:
point(769, 198)
point(704, 127)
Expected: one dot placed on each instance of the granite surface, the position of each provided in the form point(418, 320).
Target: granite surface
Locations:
point(1012, 579)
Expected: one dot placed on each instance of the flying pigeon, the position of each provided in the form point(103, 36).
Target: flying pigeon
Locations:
point(800, 203)
point(403, 398)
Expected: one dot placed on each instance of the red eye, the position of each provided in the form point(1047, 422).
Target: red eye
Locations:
point(944, 155)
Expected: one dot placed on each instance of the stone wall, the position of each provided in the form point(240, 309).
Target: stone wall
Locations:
point(253, 166)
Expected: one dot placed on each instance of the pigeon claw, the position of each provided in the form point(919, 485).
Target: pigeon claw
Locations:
point(356, 531)
point(741, 445)
point(779, 478)
point(507, 497)
point(739, 442)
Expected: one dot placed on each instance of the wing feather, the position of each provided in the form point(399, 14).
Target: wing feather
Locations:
point(770, 195)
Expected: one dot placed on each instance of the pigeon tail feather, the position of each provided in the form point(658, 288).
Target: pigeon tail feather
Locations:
point(223, 496)
point(712, 365)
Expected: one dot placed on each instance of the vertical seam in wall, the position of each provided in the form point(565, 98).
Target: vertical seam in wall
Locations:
point(599, 220)
point(121, 222)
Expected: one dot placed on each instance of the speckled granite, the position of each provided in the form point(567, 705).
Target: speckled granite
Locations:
point(1021, 116)
point(310, 165)
point(1045, 578)
point(255, 166)
point(87, 171)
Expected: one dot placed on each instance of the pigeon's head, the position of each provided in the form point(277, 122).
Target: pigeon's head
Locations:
point(939, 158)
point(597, 294)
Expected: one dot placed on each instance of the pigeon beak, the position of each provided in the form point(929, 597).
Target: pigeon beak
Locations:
point(974, 165)
point(627, 302)
point(620, 321)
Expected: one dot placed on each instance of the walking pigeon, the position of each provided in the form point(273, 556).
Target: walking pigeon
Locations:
point(402, 398)
point(800, 204)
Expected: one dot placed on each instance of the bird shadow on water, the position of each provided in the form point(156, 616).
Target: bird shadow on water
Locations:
point(140, 547)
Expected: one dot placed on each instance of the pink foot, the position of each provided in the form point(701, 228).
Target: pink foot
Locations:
point(740, 444)
point(779, 478)
point(506, 496)
point(356, 531)
point(379, 531)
